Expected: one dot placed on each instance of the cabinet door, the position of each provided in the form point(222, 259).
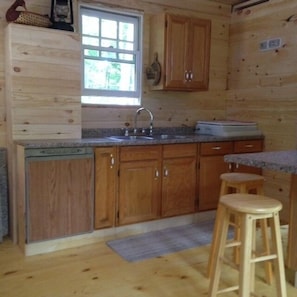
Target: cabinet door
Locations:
point(199, 54)
point(176, 51)
point(179, 186)
point(179, 179)
point(212, 165)
point(139, 191)
point(60, 198)
point(106, 165)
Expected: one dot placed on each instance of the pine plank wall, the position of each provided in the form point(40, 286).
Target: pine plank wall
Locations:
point(245, 83)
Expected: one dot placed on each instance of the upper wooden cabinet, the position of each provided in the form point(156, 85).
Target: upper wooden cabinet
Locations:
point(183, 48)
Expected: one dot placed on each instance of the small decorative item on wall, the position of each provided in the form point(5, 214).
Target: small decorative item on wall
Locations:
point(17, 13)
point(153, 73)
point(62, 15)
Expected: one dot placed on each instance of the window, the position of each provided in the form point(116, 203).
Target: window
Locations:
point(111, 49)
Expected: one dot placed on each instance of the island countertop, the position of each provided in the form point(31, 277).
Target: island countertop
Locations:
point(285, 161)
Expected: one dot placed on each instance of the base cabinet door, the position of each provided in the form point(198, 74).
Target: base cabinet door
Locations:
point(179, 179)
point(212, 165)
point(139, 184)
point(106, 167)
point(59, 198)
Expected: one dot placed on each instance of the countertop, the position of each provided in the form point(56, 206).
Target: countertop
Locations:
point(104, 141)
point(285, 161)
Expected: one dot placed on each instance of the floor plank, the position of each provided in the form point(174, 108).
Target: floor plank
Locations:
point(95, 270)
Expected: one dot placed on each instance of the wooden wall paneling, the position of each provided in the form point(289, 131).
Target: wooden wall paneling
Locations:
point(45, 63)
point(262, 84)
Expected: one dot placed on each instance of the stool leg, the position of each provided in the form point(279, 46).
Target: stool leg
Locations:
point(215, 240)
point(279, 261)
point(266, 245)
point(245, 256)
point(219, 249)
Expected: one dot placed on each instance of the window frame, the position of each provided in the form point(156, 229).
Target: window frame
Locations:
point(131, 98)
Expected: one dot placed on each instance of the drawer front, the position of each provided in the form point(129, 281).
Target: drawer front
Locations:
point(248, 146)
point(216, 148)
point(135, 153)
point(179, 150)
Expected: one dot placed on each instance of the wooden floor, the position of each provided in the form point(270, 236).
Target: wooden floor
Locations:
point(95, 270)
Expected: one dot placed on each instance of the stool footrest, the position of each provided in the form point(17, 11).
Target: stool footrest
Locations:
point(263, 258)
point(233, 243)
point(229, 289)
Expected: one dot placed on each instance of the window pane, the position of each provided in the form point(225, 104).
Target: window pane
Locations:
point(109, 76)
point(90, 41)
point(108, 55)
point(126, 45)
point(126, 57)
point(91, 53)
point(90, 25)
point(126, 31)
point(109, 29)
point(108, 43)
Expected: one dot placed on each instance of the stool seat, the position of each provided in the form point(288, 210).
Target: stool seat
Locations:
point(247, 203)
point(241, 182)
point(248, 208)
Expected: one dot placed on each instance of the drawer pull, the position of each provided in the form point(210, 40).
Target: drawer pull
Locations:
point(216, 148)
point(249, 145)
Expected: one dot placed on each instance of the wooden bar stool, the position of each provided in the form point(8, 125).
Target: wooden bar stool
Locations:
point(248, 208)
point(242, 183)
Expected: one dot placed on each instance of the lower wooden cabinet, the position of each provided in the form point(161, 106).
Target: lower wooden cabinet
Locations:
point(106, 176)
point(212, 165)
point(59, 197)
point(139, 184)
point(142, 183)
point(179, 179)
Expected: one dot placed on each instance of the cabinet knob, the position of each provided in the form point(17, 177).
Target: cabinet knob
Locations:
point(186, 75)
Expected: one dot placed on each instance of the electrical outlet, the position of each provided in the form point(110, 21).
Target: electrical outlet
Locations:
point(270, 44)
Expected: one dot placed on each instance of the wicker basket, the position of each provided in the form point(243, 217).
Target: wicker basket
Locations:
point(33, 19)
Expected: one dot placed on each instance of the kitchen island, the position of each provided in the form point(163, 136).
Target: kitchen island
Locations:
point(285, 161)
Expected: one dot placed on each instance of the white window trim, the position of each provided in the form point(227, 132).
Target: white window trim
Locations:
point(139, 63)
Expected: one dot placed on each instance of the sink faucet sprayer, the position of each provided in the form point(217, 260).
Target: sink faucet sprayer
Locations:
point(151, 119)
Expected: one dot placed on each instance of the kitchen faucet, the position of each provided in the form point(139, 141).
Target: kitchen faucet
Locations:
point(151, 119)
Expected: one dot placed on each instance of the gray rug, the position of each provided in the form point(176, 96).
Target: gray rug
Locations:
point(158, 243)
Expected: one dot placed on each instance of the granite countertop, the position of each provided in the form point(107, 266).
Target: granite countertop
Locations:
point(285, 161)
point(104, 141)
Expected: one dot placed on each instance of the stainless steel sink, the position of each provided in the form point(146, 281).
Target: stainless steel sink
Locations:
point(171, 136)
point(131, 137)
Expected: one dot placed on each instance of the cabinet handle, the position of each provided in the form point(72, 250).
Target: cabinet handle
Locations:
point(249, 145)
point(111, 161)
point(216, 148)
point(190, 76)
point(230, 166)
point(156, 173)
point(165, 172)
point(236, 165)
point(186, 75)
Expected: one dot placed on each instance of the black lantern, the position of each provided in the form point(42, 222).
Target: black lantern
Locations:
point(62, 15)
